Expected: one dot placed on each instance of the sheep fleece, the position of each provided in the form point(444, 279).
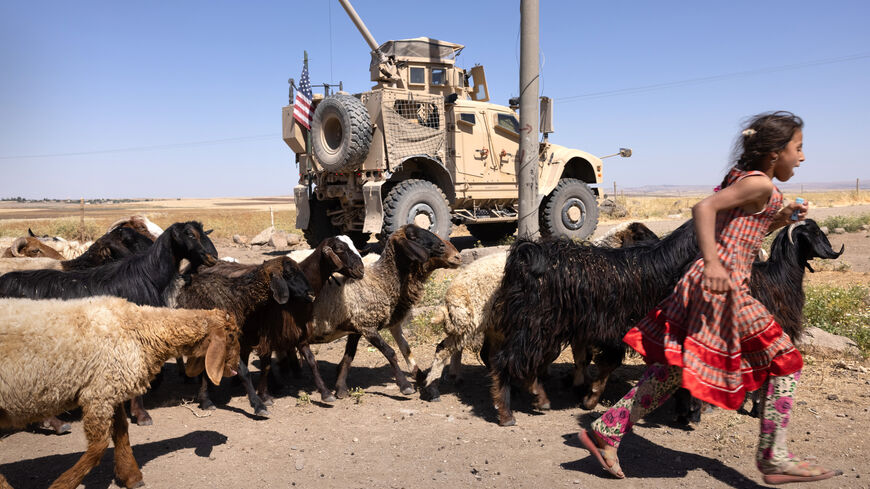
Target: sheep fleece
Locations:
point(56, 355)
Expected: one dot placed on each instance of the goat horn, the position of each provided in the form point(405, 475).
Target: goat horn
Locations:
point(116, 224)
point(791, 228)
point(17, 245)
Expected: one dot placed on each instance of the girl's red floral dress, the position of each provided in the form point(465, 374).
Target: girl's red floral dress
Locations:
point(727, 344)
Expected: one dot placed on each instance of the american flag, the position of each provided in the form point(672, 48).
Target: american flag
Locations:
point(302, 105)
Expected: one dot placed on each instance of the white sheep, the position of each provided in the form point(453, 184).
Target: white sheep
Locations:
point(468, 306)
point(96, 353)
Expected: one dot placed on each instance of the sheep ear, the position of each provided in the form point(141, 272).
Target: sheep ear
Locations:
point(414, 251)
point(214, 358)
point(332, 256)
point(280, 291)
point(194, 366)
point(30, 233)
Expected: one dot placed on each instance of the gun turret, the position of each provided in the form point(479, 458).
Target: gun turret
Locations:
point(383, 67)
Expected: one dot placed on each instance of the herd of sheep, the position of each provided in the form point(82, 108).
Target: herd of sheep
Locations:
point(105, 322)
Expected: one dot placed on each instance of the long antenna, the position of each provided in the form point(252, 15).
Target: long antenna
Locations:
point(331, 77)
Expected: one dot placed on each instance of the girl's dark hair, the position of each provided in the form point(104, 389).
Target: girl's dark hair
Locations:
point(764, 134)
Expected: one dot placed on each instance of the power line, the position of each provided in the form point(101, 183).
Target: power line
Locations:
point(707, 79)
point(147, 148)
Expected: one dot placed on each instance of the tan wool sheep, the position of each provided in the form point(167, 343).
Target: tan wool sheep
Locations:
point(96, 353)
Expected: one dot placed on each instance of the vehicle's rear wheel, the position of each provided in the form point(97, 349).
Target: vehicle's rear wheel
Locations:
point(341, 132)
point(491, 233)
point(419, 202)
point(570, 210)
point(319, 225)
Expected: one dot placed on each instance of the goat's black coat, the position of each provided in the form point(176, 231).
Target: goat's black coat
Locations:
point(556, 292)
point(141, 278)
point(116, 244)
point(778, 282)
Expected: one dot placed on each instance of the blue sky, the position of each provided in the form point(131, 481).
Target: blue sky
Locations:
point(183, 99)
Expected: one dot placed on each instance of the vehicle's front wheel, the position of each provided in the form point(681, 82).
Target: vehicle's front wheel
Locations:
point(419, 202)
point(570, 210)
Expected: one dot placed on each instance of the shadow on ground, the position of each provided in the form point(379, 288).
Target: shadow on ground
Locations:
point(40, 472)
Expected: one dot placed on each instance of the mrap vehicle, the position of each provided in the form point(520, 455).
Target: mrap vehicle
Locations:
point(426, 146)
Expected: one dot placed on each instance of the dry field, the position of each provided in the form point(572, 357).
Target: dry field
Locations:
point(382, 439)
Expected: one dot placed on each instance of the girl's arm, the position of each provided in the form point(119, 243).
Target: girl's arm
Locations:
point(751, 194)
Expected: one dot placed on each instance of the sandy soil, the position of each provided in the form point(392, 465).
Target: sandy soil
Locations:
point(387, 440)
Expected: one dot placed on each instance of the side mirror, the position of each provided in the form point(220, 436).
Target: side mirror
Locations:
point(623, 152)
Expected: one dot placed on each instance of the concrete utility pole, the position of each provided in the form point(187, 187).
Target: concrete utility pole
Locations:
point(527, 174)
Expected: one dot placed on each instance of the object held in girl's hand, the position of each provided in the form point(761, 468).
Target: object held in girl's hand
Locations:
point(794, 215)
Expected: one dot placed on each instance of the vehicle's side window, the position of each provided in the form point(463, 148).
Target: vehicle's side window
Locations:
point(418, 75)
point(467, 118)
point(439, 76)
point(509, 122)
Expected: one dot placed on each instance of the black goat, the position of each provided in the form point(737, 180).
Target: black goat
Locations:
point(114, 245)
point(241, 290)
point(141, 279)
point(557, 292)
point(778, 284)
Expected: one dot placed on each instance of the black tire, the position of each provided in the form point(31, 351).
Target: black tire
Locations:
point(341, 132)
point(491, 233)
point(319, 225)
point(411, 201)
point(570, 210)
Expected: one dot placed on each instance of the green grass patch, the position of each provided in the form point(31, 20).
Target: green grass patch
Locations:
point(844, 311)
point(849, 223)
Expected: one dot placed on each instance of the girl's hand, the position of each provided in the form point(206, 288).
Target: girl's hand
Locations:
point(801, 208)
point(783, 217)
point(716, 278)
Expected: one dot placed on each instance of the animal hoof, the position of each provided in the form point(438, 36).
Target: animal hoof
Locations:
point(207, 406)
point(509, 422)
point(543, 407)
point(262, 412)
point(144, 421)
point(430, 394)
point(140, 483)
point(268, 401)
point(341, 394)
point(407, 390)
point(63, 429)
point(330, 398)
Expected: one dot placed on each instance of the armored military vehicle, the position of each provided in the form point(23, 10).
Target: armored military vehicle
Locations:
point(424, 145)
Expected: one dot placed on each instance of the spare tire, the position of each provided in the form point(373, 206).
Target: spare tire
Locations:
point(341, 132)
